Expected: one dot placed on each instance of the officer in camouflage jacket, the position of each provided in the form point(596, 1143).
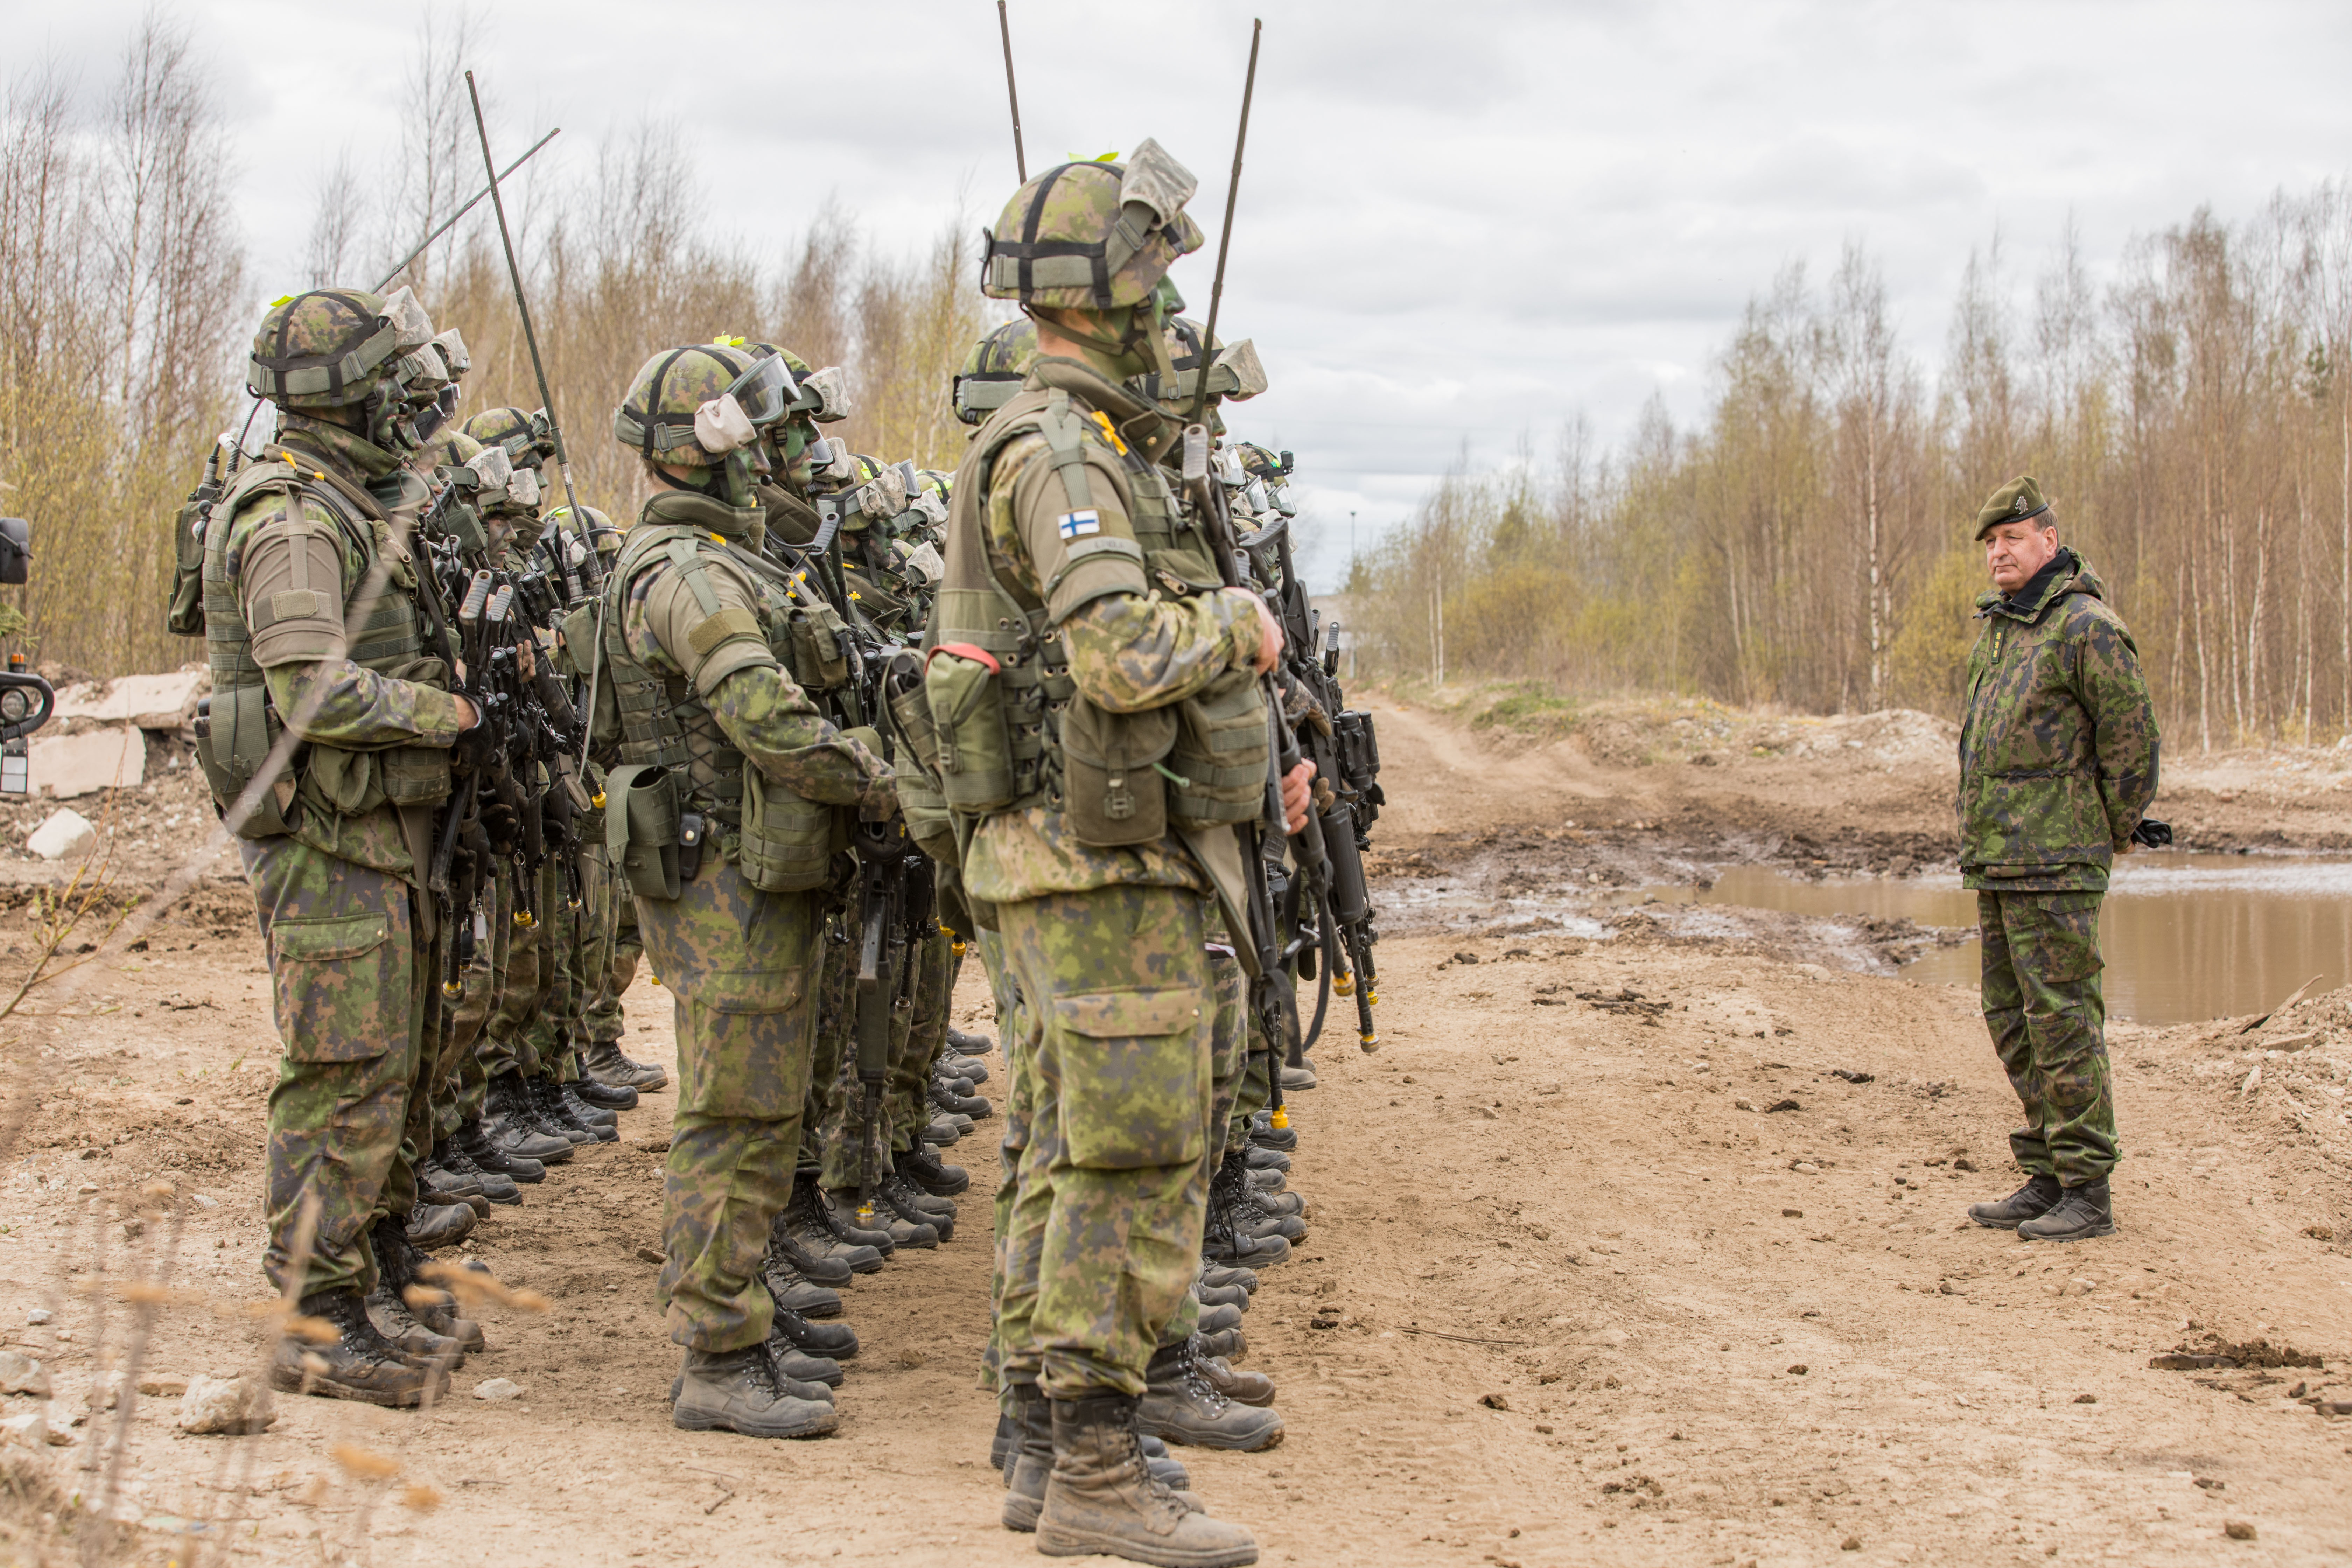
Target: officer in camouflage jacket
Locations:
point(2058, 759)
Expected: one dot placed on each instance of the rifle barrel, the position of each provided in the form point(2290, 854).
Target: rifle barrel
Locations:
point(1225, 239)
point(1005, 27)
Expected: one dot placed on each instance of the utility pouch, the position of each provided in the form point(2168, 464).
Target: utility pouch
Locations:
point(972, 749)
point(185, 616)
point(1113, 794)
point(414, 776)
point(241, 726)
point(817, 660)
point(787, 846)
point(642, 822)
point(1220, 753)
point(928, 822)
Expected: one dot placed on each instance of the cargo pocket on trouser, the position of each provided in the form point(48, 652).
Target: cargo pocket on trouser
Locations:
point(1133, 1076)
point(342, 985)
point(738, 961)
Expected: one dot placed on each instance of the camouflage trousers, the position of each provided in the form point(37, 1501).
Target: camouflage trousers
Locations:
point(1011, 1035)
point(350, 985)
point(555, 1034)
point(467, 1083)
point(741, 968)
point(833, 1142)
point(2048, 1019)
point(610, 947)
point(1115, 1090)
point(512, 1036)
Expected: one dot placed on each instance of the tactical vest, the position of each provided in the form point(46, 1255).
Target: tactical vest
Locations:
point(998, 718)
point(676, 759)
point(244, 725)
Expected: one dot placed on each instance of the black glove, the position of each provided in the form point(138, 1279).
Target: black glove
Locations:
point(2152, 835)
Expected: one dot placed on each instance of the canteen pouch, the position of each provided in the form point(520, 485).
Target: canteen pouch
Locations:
point(817, 660)
point(787, 841)
point(1114, 796)
point(240, 727)
point(1220, 753)
point(186, 614)
point(972, 749)
point(642, 819)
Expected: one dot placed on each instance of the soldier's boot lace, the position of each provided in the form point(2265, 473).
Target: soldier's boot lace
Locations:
point(923, 1166)
point(1253, 1388)
point(592, 1117)
point(1225, 1241)
point(914, 1203)
point(1181, 1404)
point(512, 1123)
point(739, 1391)
point(1101, 1497)
point(495, 1187)
point(400, 1271)
point(603, 1060)
point(798, 1375)
point(2037, 1197)
point(358, 1363)
point(2086, 1211)
point(811, 1242)
point(1235, 1209)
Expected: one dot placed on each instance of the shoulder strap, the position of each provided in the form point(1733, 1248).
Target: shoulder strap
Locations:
point(1066, 443)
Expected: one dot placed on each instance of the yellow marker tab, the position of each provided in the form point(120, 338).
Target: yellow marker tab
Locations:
point(718, 539)
point(724, 341)
point(1111, 430)
point(281, 299)
point(856, 595)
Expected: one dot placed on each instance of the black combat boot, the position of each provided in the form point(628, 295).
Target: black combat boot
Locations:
point(1230, 1189)
point(944, 1097)
point(1217, 1274)
point(398, 1266)
point(566, 1114)
point(788, 1286)
point(494, 1186)
point(923, 1166)
point(879, 1227)
point(1241, 1387)
point(475, 1143)
point(1266, 1179)
point(358, 1363)
point(1261, 1158)
point(1224, 1344)
point(741, 1390)
point(1217, 1318)
point(1102, 1499)
point(1182, 1405)
point(2037, 1197)
point(603, 1096)
point(597, 1118)
point(603, 1060)
point(916, 1205)
point(1031, 1458)
point(513, 1123)
point(2086, 1211)
point(1227, 1241)
point(1266, 1135)
point(1221, 1295)
point(941, 1131)
point(1295, 1078)
point(971, 1069)
point(813, 1245)
point(836, 1341)
point(969, 1045)
point(439, 1225)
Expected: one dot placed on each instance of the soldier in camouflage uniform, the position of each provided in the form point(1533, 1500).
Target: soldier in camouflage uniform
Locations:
point(609, 947)
point(721, 816)
point(312, 625)
point(2058, 759)
point(1073, 591)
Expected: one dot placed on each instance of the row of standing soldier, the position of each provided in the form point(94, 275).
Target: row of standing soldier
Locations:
point(826, 725)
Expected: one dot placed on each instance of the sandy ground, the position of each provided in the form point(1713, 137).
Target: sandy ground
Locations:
point(1591, 1297)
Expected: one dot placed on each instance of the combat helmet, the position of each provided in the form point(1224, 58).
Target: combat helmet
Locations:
point(1092, 237)
point(704, 406)
point(1235, 373)
point(600, 528)
point(328, 350)
point(994, 370)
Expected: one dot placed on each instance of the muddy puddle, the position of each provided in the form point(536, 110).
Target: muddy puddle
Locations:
point(2187, 936)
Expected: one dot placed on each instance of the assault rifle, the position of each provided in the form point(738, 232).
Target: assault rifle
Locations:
point(1340, 742)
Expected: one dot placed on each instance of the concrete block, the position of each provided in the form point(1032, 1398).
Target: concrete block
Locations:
point(146, 701)
point(66, 832)
point(66, 766)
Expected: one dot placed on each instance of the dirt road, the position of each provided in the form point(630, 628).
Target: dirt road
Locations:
point(1618, 1268)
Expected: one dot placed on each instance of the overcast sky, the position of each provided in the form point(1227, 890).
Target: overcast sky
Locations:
point(1459, 222)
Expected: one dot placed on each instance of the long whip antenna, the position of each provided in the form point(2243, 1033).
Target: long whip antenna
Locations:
point(451, 220)
point(1005, 27)
point(1225, 239)
point(590, 567)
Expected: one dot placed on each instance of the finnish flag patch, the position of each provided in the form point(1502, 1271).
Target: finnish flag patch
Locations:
point(1079, 524)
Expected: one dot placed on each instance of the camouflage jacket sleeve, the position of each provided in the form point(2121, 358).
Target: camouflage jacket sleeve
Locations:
point(759, 708)
point(1130, 651)
point(296, 580)
point(2108, 684)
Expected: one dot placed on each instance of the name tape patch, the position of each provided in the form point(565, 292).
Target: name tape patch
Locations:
point(1079, 524)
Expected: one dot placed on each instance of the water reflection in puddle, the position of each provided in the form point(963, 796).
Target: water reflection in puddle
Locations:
point(2185, 936)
